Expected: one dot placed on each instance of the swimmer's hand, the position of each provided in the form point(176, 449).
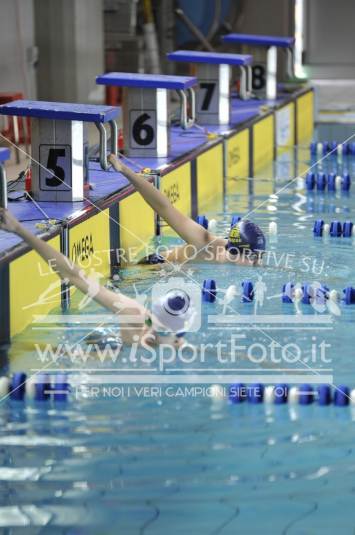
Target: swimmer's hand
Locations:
point(115, 162)
point(120, 167)
point(8, 222)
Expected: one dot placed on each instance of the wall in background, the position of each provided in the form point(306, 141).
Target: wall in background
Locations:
point(18, 53)
point(329, 38)
point(69, 36)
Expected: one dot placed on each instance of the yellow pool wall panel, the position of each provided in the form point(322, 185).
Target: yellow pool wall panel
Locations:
point(285, 128)
point(35, 289)
point(89, 244)
point(263, 142)
point(237, 162)
point(137, 228)
point(209, 178)
point(177, 187)
point(305, 117)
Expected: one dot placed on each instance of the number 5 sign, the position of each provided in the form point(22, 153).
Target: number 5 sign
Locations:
point(55, 174)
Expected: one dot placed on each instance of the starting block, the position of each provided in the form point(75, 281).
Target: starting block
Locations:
point(59, 142)
point(271, 44)
point(145, 109)
point(213, 74)
point(4, 155)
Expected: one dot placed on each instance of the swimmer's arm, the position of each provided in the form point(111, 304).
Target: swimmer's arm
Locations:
point(116, 302)
point(188, 230)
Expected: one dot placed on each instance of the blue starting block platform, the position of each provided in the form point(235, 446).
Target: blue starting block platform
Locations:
point(59, 141)
point(4, 154)
point(148, 81)
point(60, 111)
point(145, 107)
point(259, 40)
point(213, 70)
point(265, 81)
point(212, 58)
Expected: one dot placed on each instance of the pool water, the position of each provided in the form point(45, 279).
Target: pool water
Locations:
point(158, 464)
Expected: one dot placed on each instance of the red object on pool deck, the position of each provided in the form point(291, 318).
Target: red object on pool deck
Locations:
point(28, 180)
point(113, 95)
point(120, 140)
point(18, 129)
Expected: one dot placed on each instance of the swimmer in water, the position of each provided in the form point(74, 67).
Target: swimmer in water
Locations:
point(244, 245)
point(137, 323)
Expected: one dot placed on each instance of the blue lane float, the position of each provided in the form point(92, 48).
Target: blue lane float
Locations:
point(42, 387)
point(318, 227)
point(331, 182)
point(37, 388)
point(349, 295)
point(18, 386)
point(324, 395)
point(333, 147)
point(345, 182)
point(209, 291)
point(202, 220)
point(337, 229)
point(347, 229)
point(321, 181)
point(342, 396)
point(287, 292)
point(281, 394)
point(237, 393)
point(307, 293)
point(255, 393)
point(247, 291)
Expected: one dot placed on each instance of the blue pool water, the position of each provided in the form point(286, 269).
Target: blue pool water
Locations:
point(195, 464)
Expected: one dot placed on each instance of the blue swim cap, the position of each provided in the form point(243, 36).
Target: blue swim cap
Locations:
point(244, 236)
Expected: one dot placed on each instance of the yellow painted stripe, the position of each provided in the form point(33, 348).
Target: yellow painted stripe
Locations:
point(209, 170)
point(263, 142)
point(285, 128)
point(89, 244)
point(237, 160)
point(305, 117)
point(177, 187)
point(34, 288)
point(137, 226)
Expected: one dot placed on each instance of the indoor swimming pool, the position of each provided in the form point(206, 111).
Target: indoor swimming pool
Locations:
point(127, 458)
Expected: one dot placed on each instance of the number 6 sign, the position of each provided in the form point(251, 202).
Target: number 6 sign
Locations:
point(143, 128)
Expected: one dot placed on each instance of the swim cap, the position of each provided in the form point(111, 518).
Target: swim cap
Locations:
point(245, 235)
